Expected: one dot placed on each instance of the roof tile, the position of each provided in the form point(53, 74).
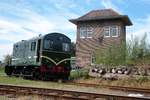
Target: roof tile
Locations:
point(103, 14)
point(99, 13)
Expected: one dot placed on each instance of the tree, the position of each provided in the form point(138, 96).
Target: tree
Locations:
point(7, 59)
point(138, 51)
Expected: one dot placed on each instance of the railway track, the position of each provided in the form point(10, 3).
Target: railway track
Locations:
point(122, 88)
point(59, 94)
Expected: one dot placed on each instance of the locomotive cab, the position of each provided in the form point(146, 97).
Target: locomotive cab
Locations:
point(55, 56)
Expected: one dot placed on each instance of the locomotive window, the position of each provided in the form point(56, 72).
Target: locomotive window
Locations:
point(65, 47)
point(33, 45)
point(48, 44)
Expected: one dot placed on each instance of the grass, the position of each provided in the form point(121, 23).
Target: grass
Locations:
point(79, 76)
point(25, 82)
point(81, 73)
point(32, 97)
point(41, 84)
point(4, 98)
point(29, 97)
point(26, 97)
point(20, 81)
point(137, 82)
point(2, 71)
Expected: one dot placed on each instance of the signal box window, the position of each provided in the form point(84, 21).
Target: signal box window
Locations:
point(114, 31)
point(65, 47)
point(106, 31)
point(86, 32)
point(111, 31)
point(48, 44)
point(33, 45)
point(83, 32)
point(89, 32)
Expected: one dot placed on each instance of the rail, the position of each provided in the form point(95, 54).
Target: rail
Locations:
point(65, 94)
point(123, 88)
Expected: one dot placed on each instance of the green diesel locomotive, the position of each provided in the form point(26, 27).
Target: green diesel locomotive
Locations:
point(44, 57)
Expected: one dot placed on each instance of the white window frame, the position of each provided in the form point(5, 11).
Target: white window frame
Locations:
point(117, 29)
point(109, 29)
point(86, 32)
point(89, 32)
point(82, 32)
point(106, 28)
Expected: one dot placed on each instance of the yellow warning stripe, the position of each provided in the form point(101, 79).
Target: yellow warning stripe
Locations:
point(50, 59)
point(63, 61)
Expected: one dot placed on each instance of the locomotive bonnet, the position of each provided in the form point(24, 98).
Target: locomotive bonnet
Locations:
point(43, 57)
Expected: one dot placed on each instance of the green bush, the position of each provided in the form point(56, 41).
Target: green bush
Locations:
point(134, 52)
point(113, 55)
point(81, 73)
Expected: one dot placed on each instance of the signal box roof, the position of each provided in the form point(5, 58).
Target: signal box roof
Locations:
point(104, 14)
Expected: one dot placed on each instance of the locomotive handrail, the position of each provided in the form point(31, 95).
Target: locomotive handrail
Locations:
point(56, 63)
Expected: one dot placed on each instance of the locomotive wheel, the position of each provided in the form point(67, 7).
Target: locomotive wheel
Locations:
point(66, 78)
point(8, 70)
point(43, 76)
point(36, 74)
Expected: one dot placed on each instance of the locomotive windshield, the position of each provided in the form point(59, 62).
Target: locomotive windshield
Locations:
point(65, 47)
point(48, 44)
point(56, 42)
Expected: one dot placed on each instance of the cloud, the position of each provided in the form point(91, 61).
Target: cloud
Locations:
point(12, 31)
point(5, 49)
point(108, 4)
point(139, 28)
point(24, 20)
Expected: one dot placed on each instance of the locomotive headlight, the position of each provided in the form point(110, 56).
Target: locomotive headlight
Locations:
point(29, 57)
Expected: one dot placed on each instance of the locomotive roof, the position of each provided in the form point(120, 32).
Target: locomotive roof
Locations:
point(41, 37)
point(55, 34)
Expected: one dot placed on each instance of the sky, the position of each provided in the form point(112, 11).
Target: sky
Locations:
point(24, 19)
